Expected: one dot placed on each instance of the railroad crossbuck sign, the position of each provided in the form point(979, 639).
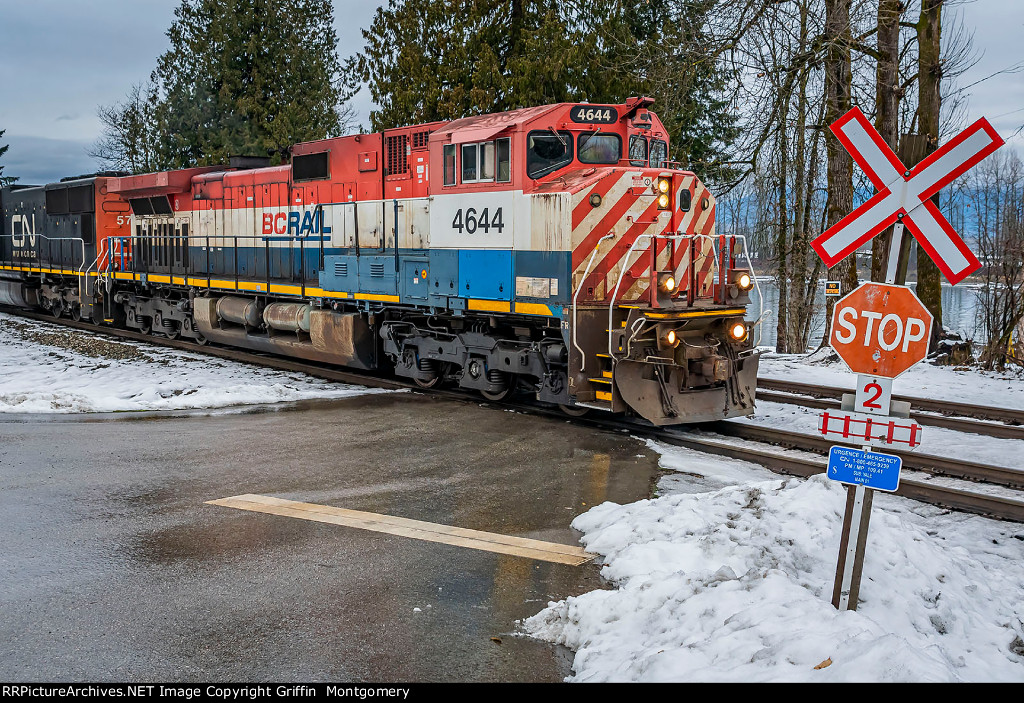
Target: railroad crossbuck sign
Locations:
point(904, 194)
point(881, 329)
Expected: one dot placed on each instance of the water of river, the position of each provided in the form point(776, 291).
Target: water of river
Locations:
point(959, 311)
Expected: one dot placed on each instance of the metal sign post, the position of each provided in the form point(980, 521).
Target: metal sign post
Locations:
point(881, 330)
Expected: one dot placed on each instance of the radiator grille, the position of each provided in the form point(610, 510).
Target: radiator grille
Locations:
point(397, 160)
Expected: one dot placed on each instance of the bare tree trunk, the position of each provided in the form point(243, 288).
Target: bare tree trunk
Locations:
point(887, 104)
point(838, 79)
point(798, 253)
point(802, 241)
point(782, 238)
point(929, 77)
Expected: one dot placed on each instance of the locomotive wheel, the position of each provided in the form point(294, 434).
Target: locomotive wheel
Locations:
point(498, 395)
point(57, 309)
point(201, 340)
point(432, 383)
point(147, 325)
point(76, 312)
point(573, 410)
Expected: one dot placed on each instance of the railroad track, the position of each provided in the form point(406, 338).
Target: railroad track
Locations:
point(1004, 423)
point(944, 483)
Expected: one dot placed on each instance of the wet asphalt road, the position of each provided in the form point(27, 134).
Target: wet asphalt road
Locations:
point(113, 568)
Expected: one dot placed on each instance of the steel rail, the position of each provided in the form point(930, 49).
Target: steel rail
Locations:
point(960, 424)
point(943, 407)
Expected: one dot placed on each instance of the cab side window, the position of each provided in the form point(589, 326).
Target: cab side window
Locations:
point(449, 164)
point(470, 152)
point(481, 162)
point(504, 152)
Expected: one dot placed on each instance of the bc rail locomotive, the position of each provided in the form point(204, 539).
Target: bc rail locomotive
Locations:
point(551, 250)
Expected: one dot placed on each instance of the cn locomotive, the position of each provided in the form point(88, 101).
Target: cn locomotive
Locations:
point(551, 250)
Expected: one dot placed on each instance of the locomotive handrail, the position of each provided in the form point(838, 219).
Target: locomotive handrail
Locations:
point(49, 241)
point(576, 295)
point(760, 297)
point(622, 271)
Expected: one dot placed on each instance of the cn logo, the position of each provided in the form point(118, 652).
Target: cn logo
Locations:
point(22, 223)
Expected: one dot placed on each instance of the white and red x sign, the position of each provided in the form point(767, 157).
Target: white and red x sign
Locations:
point(904, 195)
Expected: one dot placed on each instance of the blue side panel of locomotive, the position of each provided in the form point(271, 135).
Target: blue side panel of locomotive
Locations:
point(377, 275)
point(447, 278)
point(443, 276)
point(485, 274)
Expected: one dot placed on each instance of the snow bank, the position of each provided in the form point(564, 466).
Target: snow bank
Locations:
point(735, 584)
point(50, 369)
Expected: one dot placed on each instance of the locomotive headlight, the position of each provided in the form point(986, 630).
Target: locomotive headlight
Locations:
point(670, 339)
point(663, 201)
point(738, 331)
point(740, 283)
point(664, 184)
point(667, 283)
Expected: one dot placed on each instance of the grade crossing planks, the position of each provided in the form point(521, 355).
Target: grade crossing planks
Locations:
point(415, 529)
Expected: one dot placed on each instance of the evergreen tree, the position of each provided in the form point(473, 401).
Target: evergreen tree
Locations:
point(428, 60)
point(660, 48)
point(247, 77)
point(5, 180)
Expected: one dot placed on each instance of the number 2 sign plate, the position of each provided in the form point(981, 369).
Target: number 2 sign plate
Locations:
point(874, 394)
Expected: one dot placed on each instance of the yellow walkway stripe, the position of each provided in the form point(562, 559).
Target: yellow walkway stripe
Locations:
point(404, 527)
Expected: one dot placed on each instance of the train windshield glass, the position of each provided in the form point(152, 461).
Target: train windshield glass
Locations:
point(547, 152)
point(638, 150)
point(659, 153)
point(596, 148)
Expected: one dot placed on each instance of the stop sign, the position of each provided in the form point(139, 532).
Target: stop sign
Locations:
point(881, 329)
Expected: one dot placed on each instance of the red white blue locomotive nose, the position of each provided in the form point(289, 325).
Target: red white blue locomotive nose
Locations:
point(553, 251)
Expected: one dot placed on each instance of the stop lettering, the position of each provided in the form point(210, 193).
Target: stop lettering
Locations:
point(881, 329)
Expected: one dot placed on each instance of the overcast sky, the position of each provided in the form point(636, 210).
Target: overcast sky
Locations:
point(60, 59)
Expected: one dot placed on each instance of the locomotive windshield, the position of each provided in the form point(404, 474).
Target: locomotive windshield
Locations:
point(597, 148)
point(547, 151)
point(638, 150)
point(659, 153)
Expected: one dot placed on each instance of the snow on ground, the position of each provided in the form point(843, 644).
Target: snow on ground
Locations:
point(728, 577)
point(1004, 390)
point(51, 369)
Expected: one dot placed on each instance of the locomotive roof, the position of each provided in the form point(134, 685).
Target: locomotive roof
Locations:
point(481, 127)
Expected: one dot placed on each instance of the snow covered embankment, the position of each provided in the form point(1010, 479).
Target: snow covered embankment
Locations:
point(46, 368)
point(735, 583)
